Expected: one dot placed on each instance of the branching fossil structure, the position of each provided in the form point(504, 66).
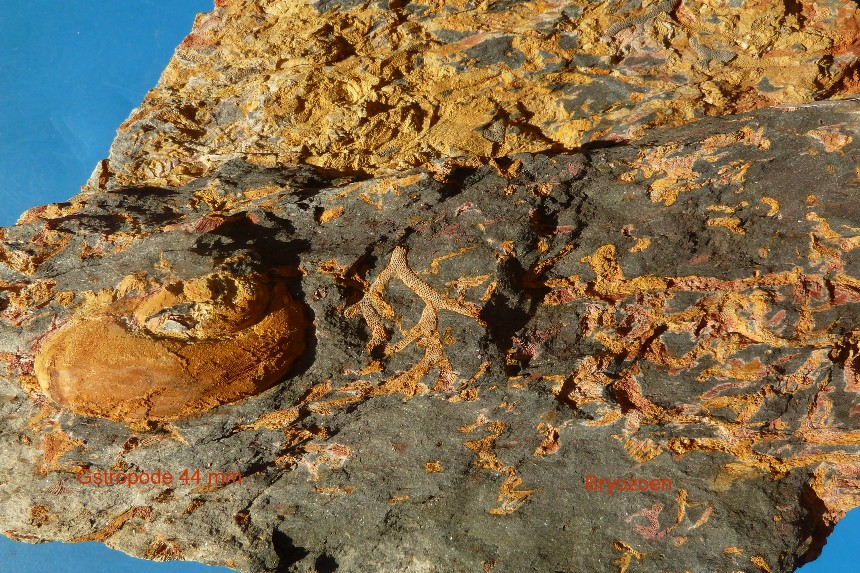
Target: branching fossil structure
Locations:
point(425, 333)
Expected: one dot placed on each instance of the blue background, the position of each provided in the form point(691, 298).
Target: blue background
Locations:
point(71, 71)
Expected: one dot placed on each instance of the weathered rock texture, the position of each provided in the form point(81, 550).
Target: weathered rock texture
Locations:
point(390, 84)
point(383, 202)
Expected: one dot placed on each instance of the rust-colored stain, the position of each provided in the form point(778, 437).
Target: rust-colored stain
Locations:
point(163, 549)
point(626, 557)
point(40, 515)
point(141, 512)
point(55, 445)
point(550, 443)
point(511, 497)
point(433, 467)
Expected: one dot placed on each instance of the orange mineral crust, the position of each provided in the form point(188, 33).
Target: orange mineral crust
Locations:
point(379, 86)
point(173, 352)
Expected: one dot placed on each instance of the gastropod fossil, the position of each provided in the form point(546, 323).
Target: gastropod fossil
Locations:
point(175, 350)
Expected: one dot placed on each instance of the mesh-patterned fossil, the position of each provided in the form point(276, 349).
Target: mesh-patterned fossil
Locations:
point(173, 351)
point(425, 333)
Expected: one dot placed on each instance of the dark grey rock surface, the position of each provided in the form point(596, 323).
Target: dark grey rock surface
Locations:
point(682, 308)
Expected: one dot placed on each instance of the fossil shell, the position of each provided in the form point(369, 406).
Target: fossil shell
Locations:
point(173, 352)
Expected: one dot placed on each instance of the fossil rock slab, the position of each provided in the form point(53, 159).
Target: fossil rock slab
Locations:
point(479, 337)
point(398, 286)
